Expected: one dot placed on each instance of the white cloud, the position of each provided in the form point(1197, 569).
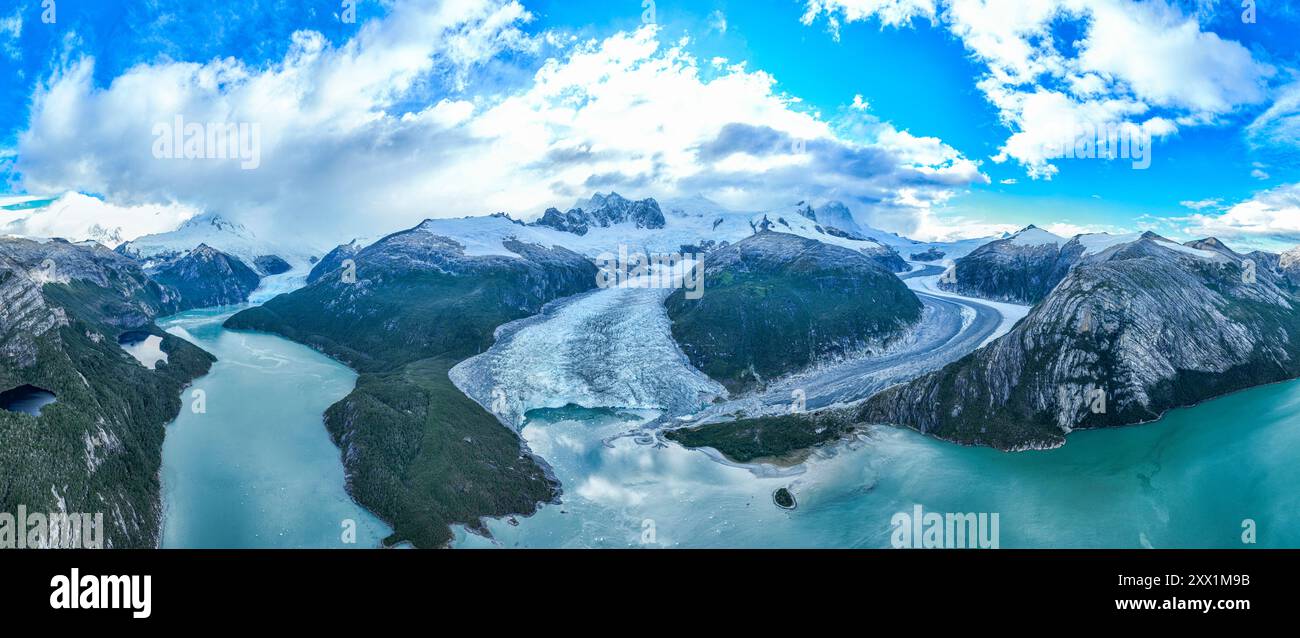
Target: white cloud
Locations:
point(77, 217)
point(889, 12)
point(1271, 217)
point(11, 29)
point(1279, 126)
point(1201, 204)
point(1144, 63)
point(1259, 174)
point(718, 21)
point(339, 158)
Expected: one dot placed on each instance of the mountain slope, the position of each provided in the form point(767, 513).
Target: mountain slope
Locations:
point(1130, 333)
point(219, 233)
point(776, 303)
point(98, 448)
point(604, 211)
point(1022, 268)
point(417, 451)
point(207, 277)
point(690, 225)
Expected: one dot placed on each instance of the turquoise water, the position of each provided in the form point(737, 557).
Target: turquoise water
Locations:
point(1189, 481)
point(258, 469)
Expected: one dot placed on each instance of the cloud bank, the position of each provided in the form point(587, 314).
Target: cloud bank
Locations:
point(390, 127)
point(1141, 63)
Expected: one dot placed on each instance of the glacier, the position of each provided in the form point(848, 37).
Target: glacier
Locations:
point(608, 348)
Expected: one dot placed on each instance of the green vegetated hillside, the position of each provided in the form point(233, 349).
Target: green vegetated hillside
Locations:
point(417, 451)
point(779, 439)
point(776, 303)
point(98, 448)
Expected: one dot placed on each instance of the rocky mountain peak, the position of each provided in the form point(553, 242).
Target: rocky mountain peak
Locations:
point(1212, 244)
point(603, 211)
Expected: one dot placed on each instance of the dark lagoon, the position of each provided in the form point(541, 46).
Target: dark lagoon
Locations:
point(27, 399)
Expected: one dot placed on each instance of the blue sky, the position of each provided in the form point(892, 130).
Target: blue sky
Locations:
point(1225, 124)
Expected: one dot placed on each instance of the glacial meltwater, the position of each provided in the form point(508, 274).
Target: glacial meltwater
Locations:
point(1208, 476)
point(249, 463)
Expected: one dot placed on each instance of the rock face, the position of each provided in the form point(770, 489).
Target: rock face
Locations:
point(832, 215)
point(24, 315)
point(1286, 266)
point(417, 451)
point(1129, 333)
point(207, 277)
point(1020, 269)
point(835, 219)
point(333, 260)
point(130, 299)
point(775, 303)
point(933, 254)
point(603, 211)
point(887, 257)
point(98, 448)
point(271, 265)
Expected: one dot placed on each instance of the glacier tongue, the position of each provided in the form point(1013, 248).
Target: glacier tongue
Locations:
point(608, 348)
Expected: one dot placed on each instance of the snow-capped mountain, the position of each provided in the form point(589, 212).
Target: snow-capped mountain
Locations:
point(603, 211)
point(206, 277)
point(1021, 268)
point(604, 223)
point(1024, 267)
point(216, 232)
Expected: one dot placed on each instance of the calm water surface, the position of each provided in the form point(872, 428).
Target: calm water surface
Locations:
point(258, 469)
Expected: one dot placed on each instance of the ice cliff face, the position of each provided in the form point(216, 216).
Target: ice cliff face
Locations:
point(1129, 333)
point(607, 348)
